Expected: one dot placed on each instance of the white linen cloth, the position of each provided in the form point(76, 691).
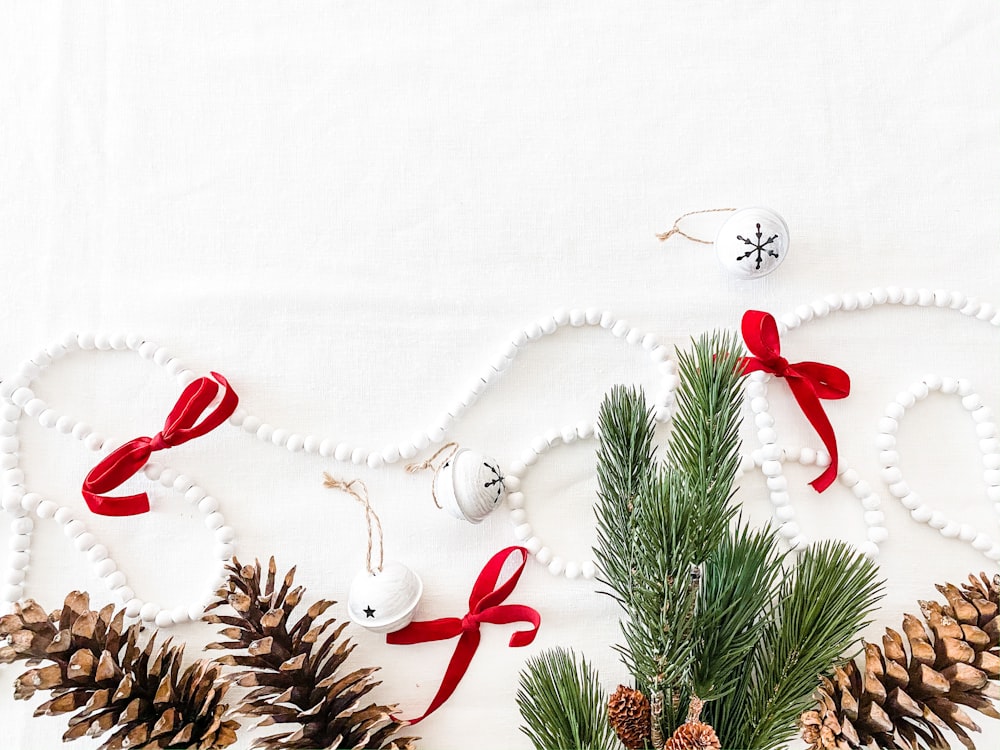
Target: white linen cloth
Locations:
point(348, 208)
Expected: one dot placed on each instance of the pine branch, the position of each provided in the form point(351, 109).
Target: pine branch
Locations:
point(739, 583)
point(813, 621)
point(625, 461)
point(562, 703)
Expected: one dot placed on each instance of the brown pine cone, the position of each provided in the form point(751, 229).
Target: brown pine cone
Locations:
point(628, 714)
point(907, 693)
point(95, 670)
point(297, 664)
point(693, 735)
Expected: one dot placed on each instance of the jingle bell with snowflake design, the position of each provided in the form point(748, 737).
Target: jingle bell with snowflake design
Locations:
point(469, 486)
point(752, 242)
point(386, 600)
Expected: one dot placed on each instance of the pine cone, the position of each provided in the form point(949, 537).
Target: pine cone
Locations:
point(628, 714)
point(693, 735)
point(97, 667)
point(294, 670)
point(909, 696)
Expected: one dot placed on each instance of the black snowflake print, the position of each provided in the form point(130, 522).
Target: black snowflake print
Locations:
point(758, 247)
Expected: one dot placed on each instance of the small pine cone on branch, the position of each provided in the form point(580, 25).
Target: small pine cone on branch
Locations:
point(628, 714)
point(907, 695)
point(293, 667)
point(97, 669)
point(693, 735)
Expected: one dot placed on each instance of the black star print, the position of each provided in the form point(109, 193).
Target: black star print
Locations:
point(369, 612)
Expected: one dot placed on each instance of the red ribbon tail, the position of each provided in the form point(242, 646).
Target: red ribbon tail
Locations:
point(460, 661)
point(103, 505)
point(422, 632)
point(813, 409)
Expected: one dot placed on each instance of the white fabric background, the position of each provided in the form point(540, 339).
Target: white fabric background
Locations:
point(348, 208)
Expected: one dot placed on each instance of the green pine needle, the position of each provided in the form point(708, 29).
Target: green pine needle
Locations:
point(563, 705)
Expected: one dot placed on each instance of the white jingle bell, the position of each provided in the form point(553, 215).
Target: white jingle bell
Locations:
point(386, 600)
point(752, 243)
point(469, 486)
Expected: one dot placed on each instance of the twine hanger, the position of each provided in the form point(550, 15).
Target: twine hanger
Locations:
point(675, 229)
point(413, 468)
point(371, 517)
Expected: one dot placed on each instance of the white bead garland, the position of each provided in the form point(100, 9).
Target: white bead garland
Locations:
point(988, 445)
point(770, 464)
point(19, 503)
point(523, 530)
point(438, 430)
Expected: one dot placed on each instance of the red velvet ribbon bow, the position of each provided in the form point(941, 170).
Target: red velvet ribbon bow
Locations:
point(181, 425)
point(809, 382)
point(484, 606)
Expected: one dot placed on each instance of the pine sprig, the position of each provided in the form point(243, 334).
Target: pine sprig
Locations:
point(625, 462)
point(739, 584)
point(563, 704)
point(818, 611)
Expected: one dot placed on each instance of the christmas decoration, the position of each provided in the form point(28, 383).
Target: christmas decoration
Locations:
point(98, 670)
point(750, 244)
point(808, 381)
point(181, 426)
point(292, 666)
point(384, 600)
point(467, 485)
point(384, 596)
point(711, 607)
point(485, 605)
point(693, 734)
point(562, 703)
point(628, 714)
point(905, 696)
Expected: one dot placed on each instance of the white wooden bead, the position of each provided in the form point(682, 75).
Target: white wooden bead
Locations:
point(921, 514)
point(588, 569)
point(533, 544)
point(97, 553)
point(557, 566)
point(214, 520)
point(19, 542)
point(512, 482)
point(311, 444)
point(374, 460)
point(784, 513)
point(523, 531)
point(19, 560)
point(149, 611)
point(105, 567)
point(225, 534)
point(264, 432)
point(251, 424)
point(544, 555)
point(8, 461)
point(518, 516)
point(279, 436)
point(778, 484)
point(950, 531)
point(885, 441)
point(359, 456)
point(910, 501)
point(572, 570)
point(14, 576)
point(877, 534)
point(12, 593)
point(114, 580)
point(208, 505)
point(85, 541)
point(225, 551)
point(94, 441)
point(167, 476)
point(548, 325)
point(982, 542)
point(74, 528)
